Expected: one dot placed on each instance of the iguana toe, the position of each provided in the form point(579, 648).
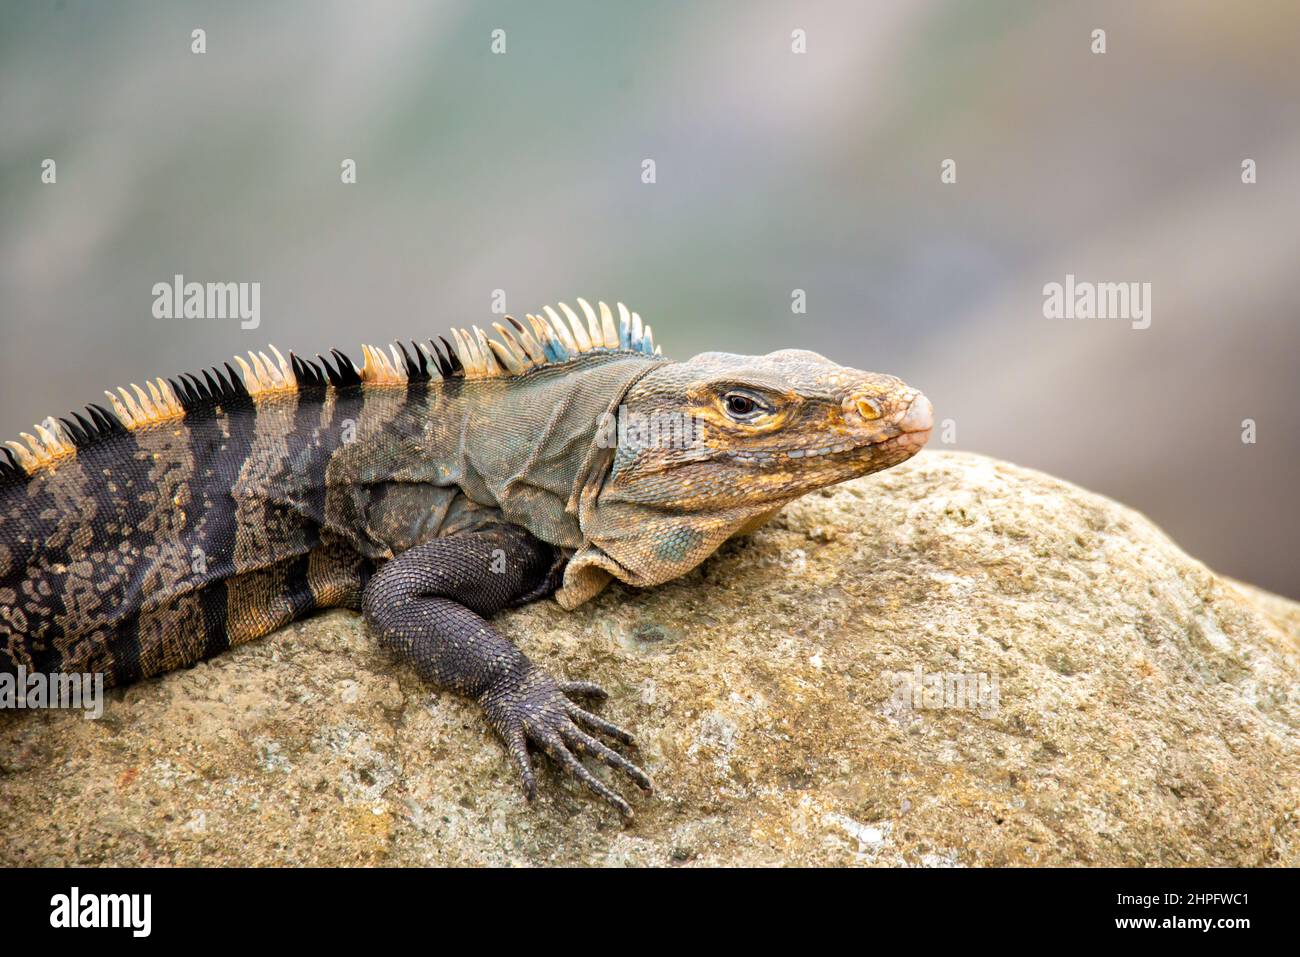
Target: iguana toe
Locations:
point(532, 709)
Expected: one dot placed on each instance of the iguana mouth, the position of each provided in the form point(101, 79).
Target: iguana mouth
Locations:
point(903, 440)
point(910, 441)
point(835, 449)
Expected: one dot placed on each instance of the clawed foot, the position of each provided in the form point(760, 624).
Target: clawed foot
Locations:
point(534, 709)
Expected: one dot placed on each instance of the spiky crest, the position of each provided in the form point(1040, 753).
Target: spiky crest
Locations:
point(549, 336)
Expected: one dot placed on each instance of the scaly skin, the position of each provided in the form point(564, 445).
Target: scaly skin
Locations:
point(429, 491)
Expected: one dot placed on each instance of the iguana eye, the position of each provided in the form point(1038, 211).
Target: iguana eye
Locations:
point(741, 406)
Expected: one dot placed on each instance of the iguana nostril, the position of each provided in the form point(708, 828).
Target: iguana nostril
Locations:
point(919, 417)
point(868, 408)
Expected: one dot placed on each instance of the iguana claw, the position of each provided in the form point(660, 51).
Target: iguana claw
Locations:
point(531, 708)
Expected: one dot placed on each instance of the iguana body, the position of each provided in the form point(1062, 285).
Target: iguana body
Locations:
point(429, 489)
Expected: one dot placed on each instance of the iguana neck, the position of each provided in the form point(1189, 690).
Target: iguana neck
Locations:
point(524, 445)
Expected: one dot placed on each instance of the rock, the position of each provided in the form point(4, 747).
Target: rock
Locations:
point(1101, 698)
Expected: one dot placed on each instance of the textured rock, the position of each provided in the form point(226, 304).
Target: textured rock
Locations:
point(1146, 712)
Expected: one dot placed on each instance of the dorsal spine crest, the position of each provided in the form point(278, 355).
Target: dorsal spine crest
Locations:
point(549, 336)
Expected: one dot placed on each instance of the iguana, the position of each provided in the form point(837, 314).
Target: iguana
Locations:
point(429, 489)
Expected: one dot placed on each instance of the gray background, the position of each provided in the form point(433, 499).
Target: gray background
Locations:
point(775, 171)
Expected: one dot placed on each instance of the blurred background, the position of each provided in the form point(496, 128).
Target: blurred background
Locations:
point(775, 171)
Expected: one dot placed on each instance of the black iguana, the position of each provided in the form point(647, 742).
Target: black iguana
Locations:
point(430, 489)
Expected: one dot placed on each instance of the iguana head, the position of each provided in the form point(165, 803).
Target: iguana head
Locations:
point(760, 430)
point(712, 446)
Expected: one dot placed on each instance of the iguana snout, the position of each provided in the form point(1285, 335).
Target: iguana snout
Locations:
point(888, 403)
point(908, 423)
point(919, 417)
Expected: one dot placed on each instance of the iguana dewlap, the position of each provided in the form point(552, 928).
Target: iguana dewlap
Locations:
point(430, 489)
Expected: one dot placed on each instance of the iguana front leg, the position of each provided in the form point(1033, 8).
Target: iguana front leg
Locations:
point(428, 606)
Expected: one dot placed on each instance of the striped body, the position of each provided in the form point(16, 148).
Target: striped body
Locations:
point(168, 531)
point(150, 549)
